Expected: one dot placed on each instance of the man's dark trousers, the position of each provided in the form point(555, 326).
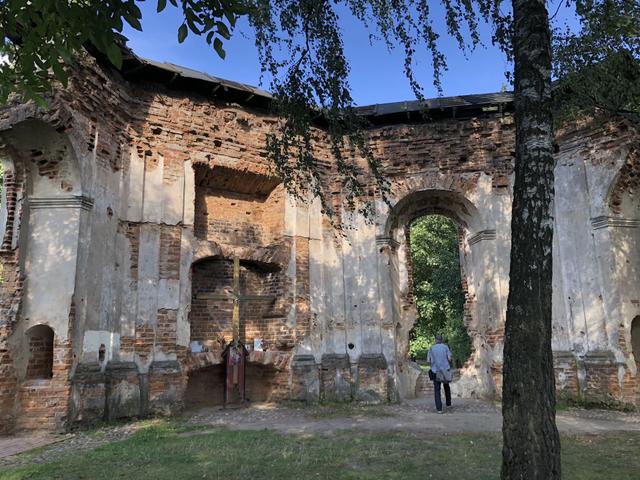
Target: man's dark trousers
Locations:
point(447, 394)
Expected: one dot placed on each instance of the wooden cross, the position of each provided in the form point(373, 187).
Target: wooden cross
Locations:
point(237, 298)
point(235, 353)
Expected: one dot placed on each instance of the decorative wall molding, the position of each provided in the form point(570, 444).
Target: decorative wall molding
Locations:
point(73, 201)
point(598, 223)
point(382, 241)
point(483, 235)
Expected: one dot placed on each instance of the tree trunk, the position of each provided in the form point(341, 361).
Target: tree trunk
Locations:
point(531, 448)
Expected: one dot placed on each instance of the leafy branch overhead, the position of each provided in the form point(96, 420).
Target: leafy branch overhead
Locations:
point(300, 49)
point(599, 66)
point(303, 61)
point(42, 36)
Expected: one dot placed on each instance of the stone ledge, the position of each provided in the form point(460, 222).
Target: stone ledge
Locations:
point(73, 201)
point(374, 361)
point(335, 360)
point(598, 223)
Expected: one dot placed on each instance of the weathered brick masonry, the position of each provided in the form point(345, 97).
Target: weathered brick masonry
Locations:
point(126, 201)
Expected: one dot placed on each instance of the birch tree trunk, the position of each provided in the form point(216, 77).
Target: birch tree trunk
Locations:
point(531, 448)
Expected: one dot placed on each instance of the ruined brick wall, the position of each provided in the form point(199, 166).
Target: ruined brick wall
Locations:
point(40, 364)
point(211, 318)
point(461, 149)
point(154, 214)
point(238, 218)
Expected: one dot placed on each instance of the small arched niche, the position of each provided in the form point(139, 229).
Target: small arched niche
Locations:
point(39, 341)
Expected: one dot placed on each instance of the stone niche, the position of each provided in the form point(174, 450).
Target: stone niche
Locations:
point(211, 329)
point(259, 317)
point(238, 208)
point(238, 213)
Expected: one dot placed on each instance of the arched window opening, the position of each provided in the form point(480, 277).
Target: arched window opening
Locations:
point(40, 341)
point(635, 338)
point(437, 288)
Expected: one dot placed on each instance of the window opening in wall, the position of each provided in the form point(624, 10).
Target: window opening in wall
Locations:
point(40, 342)
point(101, 353)
point(437, 288)
point(635, 338)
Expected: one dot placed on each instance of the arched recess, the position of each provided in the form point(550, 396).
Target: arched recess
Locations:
point(617, 235)
point(40, 216)
point(39, 340)
point(477, 258)
point(210, 317)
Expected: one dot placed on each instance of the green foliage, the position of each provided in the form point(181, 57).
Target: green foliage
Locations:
point(301, 51)
point(437, 286)
point(599, 66)
point(41, 37)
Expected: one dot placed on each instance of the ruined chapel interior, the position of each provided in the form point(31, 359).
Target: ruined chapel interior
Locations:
point(126, 202)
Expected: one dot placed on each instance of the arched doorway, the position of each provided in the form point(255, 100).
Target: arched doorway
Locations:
point(40, 347)
point(482, 282)
point(437, 288)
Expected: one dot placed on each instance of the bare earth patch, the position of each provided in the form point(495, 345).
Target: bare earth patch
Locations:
point(326, 441)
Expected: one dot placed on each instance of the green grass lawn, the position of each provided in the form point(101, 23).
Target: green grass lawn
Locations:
point(164, 451)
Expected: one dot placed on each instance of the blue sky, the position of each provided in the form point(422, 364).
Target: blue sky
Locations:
point(376, 74)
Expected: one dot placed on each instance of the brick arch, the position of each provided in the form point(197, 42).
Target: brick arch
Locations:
point(449, 203)
point(455, 205)
point(624, 193)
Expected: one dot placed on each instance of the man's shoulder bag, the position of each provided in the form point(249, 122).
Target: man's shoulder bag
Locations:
point(444, 376)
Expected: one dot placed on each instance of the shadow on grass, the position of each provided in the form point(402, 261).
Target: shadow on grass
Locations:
point(160, 450)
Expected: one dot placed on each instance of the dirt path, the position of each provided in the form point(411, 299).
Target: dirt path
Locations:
point(414, 416)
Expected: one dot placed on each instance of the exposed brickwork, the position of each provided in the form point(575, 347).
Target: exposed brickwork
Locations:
point(211, 319)
point(8, 382)
point(40, 364)
point(145, 339)
point(602, 383)
point(239, 210)
point(132, 234)
point(165, 339)
point(170, 252)
point(238, 218)
point(566, 377)
point(303, 294)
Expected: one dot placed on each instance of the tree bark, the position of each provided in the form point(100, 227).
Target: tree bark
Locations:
point(531, 448)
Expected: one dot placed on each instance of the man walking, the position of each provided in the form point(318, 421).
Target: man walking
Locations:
point(439, 358)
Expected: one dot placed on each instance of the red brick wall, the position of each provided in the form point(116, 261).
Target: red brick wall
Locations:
point(211, 319)
point(170, 240)
point(40, 364)
point(239, 219)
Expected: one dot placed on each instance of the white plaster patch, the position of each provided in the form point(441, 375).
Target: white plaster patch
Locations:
point(169, 294)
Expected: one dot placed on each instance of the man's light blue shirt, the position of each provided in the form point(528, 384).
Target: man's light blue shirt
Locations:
point(439, 356)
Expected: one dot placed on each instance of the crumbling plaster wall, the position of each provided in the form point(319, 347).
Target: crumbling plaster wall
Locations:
point(596, 261)
point(362, 303)
point(346, 308)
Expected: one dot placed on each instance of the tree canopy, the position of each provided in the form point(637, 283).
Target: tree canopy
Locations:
point(598, 66)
